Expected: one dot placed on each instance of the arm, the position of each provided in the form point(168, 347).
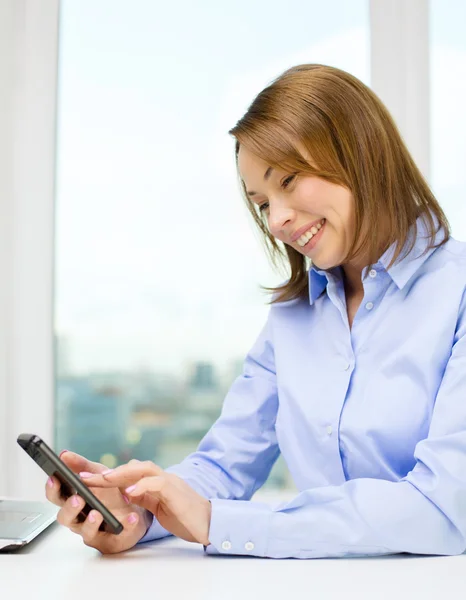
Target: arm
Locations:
point(237, 454)
point(423, 513)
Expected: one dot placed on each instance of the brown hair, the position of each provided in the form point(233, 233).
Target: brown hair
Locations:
point(354, 142)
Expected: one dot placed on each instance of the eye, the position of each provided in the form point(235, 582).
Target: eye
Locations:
point(286, 182)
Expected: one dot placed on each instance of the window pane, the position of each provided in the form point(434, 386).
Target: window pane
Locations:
point(448, 117)
point(158, 266)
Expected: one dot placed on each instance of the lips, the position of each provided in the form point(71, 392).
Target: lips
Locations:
point(310, 244)
point(299, 232)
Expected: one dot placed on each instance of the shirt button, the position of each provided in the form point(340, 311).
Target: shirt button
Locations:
point(329, 429)
point(226, 545)
point(345, 365)
point(369, 306)
point(249, 546)
point(372, 273)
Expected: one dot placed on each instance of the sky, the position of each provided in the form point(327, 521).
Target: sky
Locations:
point(157, 261)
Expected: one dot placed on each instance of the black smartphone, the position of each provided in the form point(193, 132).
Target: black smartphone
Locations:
point(71, 484)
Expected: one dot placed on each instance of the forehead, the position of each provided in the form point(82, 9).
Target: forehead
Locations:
point(250, 165)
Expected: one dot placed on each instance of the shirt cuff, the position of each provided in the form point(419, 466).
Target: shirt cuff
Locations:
point(239, 527)
point(155, 532)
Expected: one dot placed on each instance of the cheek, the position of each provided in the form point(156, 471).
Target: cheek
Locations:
point(324, 199)
point(313, 194)
point(340, 235)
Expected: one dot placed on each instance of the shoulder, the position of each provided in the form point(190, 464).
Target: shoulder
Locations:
point(451, 258)
point(287, 314)
point(455, 248)
point(452, 264)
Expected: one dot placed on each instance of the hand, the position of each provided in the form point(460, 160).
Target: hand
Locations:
point(134, 519)
point(174, 503)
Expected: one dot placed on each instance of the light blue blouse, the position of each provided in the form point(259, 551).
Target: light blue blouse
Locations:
point(371, 421)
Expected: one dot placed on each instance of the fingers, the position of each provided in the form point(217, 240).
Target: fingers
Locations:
point(123, 476)
point(78, 463)
point(148, 492)
point(52, 492)
point(155, 484)
point(69, 512)
point(90, 528)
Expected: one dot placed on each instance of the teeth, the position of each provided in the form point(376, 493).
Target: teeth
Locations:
point(303, 240)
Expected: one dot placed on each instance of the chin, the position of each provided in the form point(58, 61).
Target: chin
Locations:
point(324, 265)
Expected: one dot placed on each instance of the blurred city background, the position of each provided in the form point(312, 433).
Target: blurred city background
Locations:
point(112, 417)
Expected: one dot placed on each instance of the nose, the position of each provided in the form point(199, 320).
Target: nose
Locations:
point(280, 217)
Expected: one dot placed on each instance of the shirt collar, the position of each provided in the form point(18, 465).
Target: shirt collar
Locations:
point(403, 269)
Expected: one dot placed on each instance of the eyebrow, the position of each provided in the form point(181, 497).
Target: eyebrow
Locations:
point(266, 176)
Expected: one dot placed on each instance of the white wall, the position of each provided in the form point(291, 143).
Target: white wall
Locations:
point(6, 193)
point(28, 66)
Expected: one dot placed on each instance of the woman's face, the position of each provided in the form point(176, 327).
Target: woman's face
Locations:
point(291, 202)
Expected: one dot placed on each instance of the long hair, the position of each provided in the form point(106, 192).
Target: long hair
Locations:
point(354, 142)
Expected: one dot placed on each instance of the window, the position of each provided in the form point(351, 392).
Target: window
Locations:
point(448, 119)
point(157, 263)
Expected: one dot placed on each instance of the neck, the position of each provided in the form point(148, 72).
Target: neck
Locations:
point(352, 273)
point(353, 280)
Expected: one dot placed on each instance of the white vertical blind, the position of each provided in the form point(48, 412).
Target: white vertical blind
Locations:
point(400, 72)
point(28, 59)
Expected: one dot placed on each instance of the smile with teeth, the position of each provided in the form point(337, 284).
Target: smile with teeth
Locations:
point(303, 240)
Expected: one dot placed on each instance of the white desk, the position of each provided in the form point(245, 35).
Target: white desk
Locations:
point(58, 566)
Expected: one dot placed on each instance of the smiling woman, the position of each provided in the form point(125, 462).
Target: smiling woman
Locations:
point(364, 405)
point(319, 144)
point(350, 380)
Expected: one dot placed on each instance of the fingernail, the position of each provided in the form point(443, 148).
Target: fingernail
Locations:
point(132, 518)
point(107, 471)
point(91, 517)
point(75, 501)
point(50, 482)
point(125, 498)
point(62, 452)
point(130, 489)
point(85, 474)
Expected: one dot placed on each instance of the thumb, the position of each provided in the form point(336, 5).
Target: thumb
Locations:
point(78, 463)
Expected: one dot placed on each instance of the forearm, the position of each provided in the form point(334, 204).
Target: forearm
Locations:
point(362, 517)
